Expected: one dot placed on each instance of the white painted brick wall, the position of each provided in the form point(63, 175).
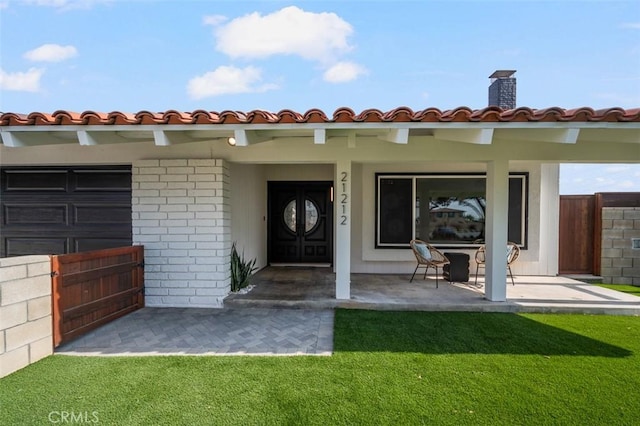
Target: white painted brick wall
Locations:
point(181, 213)
point(26, 330)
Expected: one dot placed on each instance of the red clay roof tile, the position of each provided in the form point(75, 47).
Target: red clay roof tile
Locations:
point(341, 115)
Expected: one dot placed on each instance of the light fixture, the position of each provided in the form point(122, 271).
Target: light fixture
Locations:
point(231, 141)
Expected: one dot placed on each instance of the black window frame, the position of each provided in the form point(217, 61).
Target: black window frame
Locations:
point(524, 209)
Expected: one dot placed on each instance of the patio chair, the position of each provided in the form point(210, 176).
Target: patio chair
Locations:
point(513, 252)
point(427, 257)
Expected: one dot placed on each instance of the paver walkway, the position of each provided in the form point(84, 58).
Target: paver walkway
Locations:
point(196, 331)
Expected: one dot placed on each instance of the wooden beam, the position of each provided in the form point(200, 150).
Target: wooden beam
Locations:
point(249, 137)
point(562, 136)
point(351, 140)
point(12, 139)
point(320, 136)
point(474, 136)
point(166, 138)
point(399, 136)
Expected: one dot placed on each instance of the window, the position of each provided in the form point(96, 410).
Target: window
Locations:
point(447, 210)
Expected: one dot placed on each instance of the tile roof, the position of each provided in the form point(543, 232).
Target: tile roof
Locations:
point(341, 115)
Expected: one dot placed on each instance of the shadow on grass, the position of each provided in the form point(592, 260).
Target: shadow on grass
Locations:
point(460, 333)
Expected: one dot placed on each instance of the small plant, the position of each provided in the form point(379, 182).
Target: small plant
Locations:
point(241, 269)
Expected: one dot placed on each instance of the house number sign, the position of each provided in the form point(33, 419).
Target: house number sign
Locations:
point(344, 198)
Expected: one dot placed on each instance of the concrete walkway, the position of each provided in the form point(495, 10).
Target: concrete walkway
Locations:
point(194, 331)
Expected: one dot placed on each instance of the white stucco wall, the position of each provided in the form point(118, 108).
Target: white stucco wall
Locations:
point(249, 211)
point(542, 226)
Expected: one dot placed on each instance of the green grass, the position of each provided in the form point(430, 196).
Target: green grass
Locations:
point(388, 368)
point(630, 289)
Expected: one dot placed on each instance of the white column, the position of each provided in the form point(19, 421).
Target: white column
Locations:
point(342, 203)
point(496, 230)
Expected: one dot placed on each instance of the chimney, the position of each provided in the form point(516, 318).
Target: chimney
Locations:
point(502, 91)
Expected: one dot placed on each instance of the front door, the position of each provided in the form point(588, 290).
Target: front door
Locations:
point(300, 222)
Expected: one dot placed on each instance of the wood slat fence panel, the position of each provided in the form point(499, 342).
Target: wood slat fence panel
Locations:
point(576, 243)
point(93, 288)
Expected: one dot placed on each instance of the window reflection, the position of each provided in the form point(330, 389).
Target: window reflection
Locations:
point(290, 215)
point(450, 209)
point(311, 215)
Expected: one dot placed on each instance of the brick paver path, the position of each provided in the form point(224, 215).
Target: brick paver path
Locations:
point(194, 331)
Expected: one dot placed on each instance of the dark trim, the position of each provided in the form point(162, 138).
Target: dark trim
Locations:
point(523, 246)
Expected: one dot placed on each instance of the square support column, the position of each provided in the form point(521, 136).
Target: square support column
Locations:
point(496, 230)
point(342, 205)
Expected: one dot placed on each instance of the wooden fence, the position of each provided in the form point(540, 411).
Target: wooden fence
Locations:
point(581, 229)
point(93, 288)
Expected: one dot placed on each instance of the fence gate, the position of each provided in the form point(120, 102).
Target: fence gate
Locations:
point(92, 288)
point(576, 243)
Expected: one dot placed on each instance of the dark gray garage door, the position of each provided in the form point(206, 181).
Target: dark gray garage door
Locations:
point(57, 210)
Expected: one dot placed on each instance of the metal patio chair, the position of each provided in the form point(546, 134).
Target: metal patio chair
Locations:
point(427, 257)
point(513, 252)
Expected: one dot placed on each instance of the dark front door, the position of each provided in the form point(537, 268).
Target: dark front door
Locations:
point(300, 224)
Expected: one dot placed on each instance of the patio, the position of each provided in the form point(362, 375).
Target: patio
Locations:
point(307, 287)
point(290, 312)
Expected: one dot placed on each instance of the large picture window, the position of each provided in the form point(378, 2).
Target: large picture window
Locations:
point(447, 210)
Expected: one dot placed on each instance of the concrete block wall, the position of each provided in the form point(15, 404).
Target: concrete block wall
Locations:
point(620, 263)
point(26, 328)
point(181, 213)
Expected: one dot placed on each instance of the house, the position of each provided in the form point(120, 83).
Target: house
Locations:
point(187, 185)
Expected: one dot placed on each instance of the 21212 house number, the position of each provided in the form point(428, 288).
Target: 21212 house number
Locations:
point(344, 197)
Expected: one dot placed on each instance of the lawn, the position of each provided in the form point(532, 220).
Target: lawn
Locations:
point(629, 289)
point(388, 368)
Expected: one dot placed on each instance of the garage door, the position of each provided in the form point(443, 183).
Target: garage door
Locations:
point(56, 210)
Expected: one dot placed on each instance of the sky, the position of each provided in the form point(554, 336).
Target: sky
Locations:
point(107, 55)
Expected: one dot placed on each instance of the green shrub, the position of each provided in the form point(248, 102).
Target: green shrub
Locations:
point(241, 269)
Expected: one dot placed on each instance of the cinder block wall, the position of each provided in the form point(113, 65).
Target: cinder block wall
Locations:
point(181, 213)
point(620, 262)
point(26, 331)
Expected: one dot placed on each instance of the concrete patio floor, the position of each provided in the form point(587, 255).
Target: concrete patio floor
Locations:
point(305, 287)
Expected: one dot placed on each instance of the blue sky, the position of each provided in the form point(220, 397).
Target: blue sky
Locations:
point(233, 55)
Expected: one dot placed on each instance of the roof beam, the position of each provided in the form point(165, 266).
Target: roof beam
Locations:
point(474, 136)
point(166, 138)
point(12, 139)
point(351, 139)
point(249, 137)
point(562, 136)
point(399, 136)
point(87, 138)
point(22, 139)
point(320, 136)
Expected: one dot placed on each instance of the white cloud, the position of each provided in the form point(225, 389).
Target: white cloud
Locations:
point(226, 80)
point(289, 31)
point(631, 25)
point(214, 20)
point(21, 81)
point(618, 168)
point(51, 53)
point(343, 72)
point(592, 178)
